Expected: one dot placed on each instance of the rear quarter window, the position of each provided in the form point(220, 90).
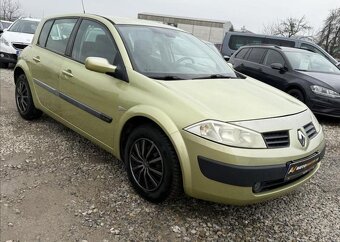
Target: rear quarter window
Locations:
point(44, 33)
point(237, 41)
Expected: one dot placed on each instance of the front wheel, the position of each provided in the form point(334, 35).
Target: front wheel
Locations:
point(24, 100)
point(152, 164)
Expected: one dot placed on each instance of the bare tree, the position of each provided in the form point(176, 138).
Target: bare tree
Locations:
point(9, 9)
point(288, 27)
point(329, 36)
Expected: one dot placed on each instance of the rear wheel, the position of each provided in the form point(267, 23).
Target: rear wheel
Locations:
point(297, 94)
point(24, 100)
point(152, 165)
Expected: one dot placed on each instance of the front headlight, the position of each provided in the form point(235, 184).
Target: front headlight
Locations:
point(227, 134)
point(4, 41)
point(324, 91)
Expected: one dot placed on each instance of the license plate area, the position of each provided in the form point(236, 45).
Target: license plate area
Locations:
point(300, 167)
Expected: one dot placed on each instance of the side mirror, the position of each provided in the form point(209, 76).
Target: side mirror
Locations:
point(4, 30)
point(277, 66)
point(100, 65)
point(230, 65)
point(226, 57)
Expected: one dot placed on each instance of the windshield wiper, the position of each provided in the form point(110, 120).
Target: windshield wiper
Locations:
point(301, 70)
point(214, 76)
point(167, 78)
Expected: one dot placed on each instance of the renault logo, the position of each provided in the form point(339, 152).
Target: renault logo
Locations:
point(302, 138)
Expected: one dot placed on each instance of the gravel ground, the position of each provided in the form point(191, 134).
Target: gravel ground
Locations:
point(57, 186)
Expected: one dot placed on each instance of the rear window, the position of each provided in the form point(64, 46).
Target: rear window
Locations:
point(241, 54)
point(256, 55)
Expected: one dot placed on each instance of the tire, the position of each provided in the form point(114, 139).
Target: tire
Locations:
point(149, 155)
point(4, 65)
point(24, 100)
point(297, 94)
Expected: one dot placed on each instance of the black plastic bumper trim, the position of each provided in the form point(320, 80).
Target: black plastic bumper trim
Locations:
point(244, 176)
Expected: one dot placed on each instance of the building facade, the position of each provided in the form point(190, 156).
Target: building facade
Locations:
point(208, 30)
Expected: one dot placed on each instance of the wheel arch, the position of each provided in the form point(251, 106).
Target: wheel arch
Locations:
point(298, 87)
point(142, 114)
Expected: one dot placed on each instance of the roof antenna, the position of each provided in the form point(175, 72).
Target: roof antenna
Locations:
point(82, 3)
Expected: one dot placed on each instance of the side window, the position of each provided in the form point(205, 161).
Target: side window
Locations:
point(93, 40)
point(44, 33)
point(256, 55)
point(242, 53)
point(273, 57)
point(59, 35)
point(236, 42)
point(280, 42)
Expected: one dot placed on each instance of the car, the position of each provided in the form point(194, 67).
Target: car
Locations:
point(4, 25)
point(169, 107)
point(15, 39)
point(234, 40)
point(305, 75)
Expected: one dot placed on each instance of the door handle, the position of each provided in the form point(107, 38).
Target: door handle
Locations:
point(36, 59)
point(68, 73)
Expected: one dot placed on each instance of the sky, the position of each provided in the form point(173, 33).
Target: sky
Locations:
point(253, 14)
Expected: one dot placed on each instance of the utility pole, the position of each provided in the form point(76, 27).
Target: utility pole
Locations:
point(82, 3)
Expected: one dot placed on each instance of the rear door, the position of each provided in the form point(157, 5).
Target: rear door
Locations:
point(276, 78)
point(46, 62)
point(252, 66)
point(89, 99)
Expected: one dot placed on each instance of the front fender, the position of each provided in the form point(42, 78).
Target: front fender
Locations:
point(168, 127)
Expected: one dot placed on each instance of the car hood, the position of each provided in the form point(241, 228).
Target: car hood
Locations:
point(330, 79)
point(15, 37)
point(235, 99)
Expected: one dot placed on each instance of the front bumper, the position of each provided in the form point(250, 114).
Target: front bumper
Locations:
point(8, 58)
point(232, 180)
point(325, 106)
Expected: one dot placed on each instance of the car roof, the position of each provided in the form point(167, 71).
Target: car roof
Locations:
point(31, 19)
point(118, 20)
point(276, 47)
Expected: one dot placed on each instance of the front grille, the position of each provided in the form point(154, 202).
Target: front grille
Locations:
point(310, 130)
point(276, 139)
point(19, 46)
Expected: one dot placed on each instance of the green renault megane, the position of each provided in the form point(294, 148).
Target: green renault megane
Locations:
point(170, 108)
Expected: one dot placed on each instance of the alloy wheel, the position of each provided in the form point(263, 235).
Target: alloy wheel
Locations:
point(22, 98)
point(146, 164)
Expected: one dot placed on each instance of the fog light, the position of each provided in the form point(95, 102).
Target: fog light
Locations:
point(257, 187)
point(2, 55)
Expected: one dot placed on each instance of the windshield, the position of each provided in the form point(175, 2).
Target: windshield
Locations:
point(308, 61)
point(24, 26)
point(170, 54)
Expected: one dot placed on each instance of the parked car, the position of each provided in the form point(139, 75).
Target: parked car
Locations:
point(15, 39)
point(167, 105)
point(305, 75)
point(234, 40)
point(4, 25)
